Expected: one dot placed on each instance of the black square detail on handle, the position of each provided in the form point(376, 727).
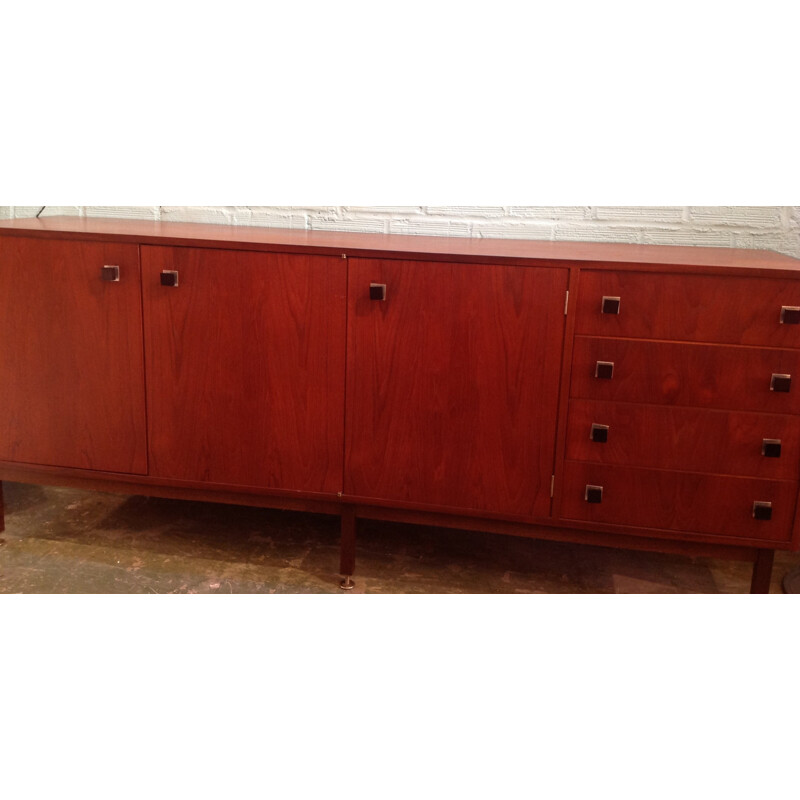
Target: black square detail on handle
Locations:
point(110, 274)
point(790, 315)
point(780, 383)
point(594, 494)
point(377, 291)
point(771, 448)
point(169, 278)
point(599, 433)
point(762, 511)
point(604, 370)
point(610, 305)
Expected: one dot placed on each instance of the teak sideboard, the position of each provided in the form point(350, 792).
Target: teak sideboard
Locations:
point(635, 396)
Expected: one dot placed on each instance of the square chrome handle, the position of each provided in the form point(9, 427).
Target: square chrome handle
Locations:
point(599, 433)
point(610, 305)
point(593, 494)
point(110, 274)
point(790, 315)
point(771, 448)
point(780, 383)
point(377, 291)
point(604, 370)
point(169, 277)
point(762, 510)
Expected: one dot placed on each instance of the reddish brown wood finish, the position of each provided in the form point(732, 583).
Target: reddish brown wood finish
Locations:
point(453, 385)
point(706, 376)
point(71, 356)
point(680, 501)
point(179, 490)
point(564, 385)
point(697, 308)
point(712, 260)
point(762, 572)
point(659, 541)
point(688, 439)
point(453, 401)
point(245, 363)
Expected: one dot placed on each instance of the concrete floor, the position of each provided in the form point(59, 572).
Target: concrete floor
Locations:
point(70, 541)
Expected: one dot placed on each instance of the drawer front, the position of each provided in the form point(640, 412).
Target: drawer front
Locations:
point(689, 308)
point(688, 439)
point(679, 501)
point(705, 376)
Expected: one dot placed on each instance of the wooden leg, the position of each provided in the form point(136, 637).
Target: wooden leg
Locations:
point(762, 572)
point(347, 564)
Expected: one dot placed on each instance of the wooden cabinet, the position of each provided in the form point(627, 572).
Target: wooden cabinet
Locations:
point(71, 375)
point(622, 395)
point(245, 367)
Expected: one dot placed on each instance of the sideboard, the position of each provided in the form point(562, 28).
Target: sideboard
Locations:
point(632, 396)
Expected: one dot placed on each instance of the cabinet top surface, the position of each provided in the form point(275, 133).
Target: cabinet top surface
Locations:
point(394, 245)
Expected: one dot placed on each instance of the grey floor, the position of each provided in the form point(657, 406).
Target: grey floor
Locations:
point(70, 541)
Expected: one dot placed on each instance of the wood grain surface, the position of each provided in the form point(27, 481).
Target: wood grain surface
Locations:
point(705, 376)
point(452, 386)
point(689, 439)
point(245, 362)
point(680, 501)
point(71, 375)
point(460, 249)
point(697, 308)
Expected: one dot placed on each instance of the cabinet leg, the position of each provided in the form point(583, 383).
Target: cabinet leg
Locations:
point(762, 572)
point(347, 564)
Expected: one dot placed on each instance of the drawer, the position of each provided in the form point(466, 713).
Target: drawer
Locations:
point(697, 308)
point(705, 376)
point(679, 501)
point(688, 439)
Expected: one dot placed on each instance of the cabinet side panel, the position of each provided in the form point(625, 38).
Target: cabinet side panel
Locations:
point(71, 372)
point(245, 360)
point(453, 384)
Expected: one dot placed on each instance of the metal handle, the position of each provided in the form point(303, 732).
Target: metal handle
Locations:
point(790, 315)
point(377, 291)
point(593, 494)
point(599, 433)
point(762, 510)
point(771, 448)
point(110, 274)
point(780, 383)
point(604, 370)
point(610, 305)
point(169, 277)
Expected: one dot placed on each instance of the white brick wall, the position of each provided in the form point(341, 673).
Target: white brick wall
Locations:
point(761, 227)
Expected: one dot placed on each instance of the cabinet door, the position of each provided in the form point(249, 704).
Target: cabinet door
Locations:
point(452, 385)
point(245, 360)
point(71, 382)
